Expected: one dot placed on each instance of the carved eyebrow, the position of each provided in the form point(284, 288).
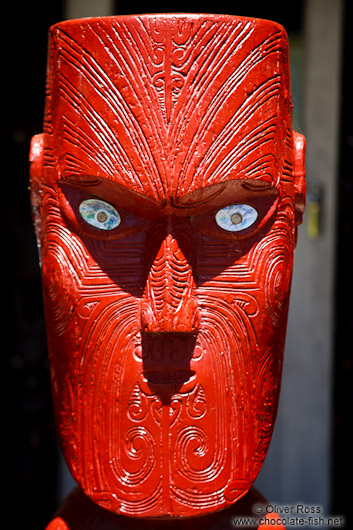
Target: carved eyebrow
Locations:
point(110, 190)
point(222, 191)
point(258, 185)
point(80, 180)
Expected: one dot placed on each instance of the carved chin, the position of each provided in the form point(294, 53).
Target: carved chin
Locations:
point(170, 425)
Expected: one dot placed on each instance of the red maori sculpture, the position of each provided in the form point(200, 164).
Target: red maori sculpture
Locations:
point(167, 187)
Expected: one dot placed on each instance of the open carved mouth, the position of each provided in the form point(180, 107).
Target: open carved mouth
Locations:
point(167, 377)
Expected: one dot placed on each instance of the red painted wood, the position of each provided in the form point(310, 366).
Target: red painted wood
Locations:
point(78, 512)
point(166, 332)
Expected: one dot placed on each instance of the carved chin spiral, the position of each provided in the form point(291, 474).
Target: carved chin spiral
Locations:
point(192, 449)
point(140, 452)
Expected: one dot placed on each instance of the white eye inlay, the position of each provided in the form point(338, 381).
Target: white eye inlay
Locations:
point(99, 214)
point(236, 217)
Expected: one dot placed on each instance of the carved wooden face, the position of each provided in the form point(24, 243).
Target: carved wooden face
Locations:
point(167, 187)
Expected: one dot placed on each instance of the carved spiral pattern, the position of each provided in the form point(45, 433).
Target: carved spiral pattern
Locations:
point(277, 278)
point(192, 443)
point(61, 306)
point(279, 260)
point(56, 263)
point(137, 407)
point(197, 403)
point(139, 448)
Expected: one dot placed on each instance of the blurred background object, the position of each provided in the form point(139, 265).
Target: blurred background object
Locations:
point(309, 461)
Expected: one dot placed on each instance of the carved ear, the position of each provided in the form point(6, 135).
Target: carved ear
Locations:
point(36, 174)
point(299, 176)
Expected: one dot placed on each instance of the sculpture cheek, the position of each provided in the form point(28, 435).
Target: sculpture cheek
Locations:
point(58, 282)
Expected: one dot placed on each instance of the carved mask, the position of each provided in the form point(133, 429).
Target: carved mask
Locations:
point(167, 187)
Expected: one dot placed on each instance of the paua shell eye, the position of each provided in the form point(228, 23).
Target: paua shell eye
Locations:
point(236, 217)
point(99, 214)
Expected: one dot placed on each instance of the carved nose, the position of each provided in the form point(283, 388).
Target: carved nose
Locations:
point(169, 303)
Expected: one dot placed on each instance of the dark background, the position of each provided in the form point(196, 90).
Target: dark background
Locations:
point(31, 454)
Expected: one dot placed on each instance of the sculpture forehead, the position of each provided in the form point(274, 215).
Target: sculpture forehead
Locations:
point(166, 104)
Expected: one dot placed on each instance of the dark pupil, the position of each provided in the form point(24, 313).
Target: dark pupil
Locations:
point(102, 217)
point(236, 218)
